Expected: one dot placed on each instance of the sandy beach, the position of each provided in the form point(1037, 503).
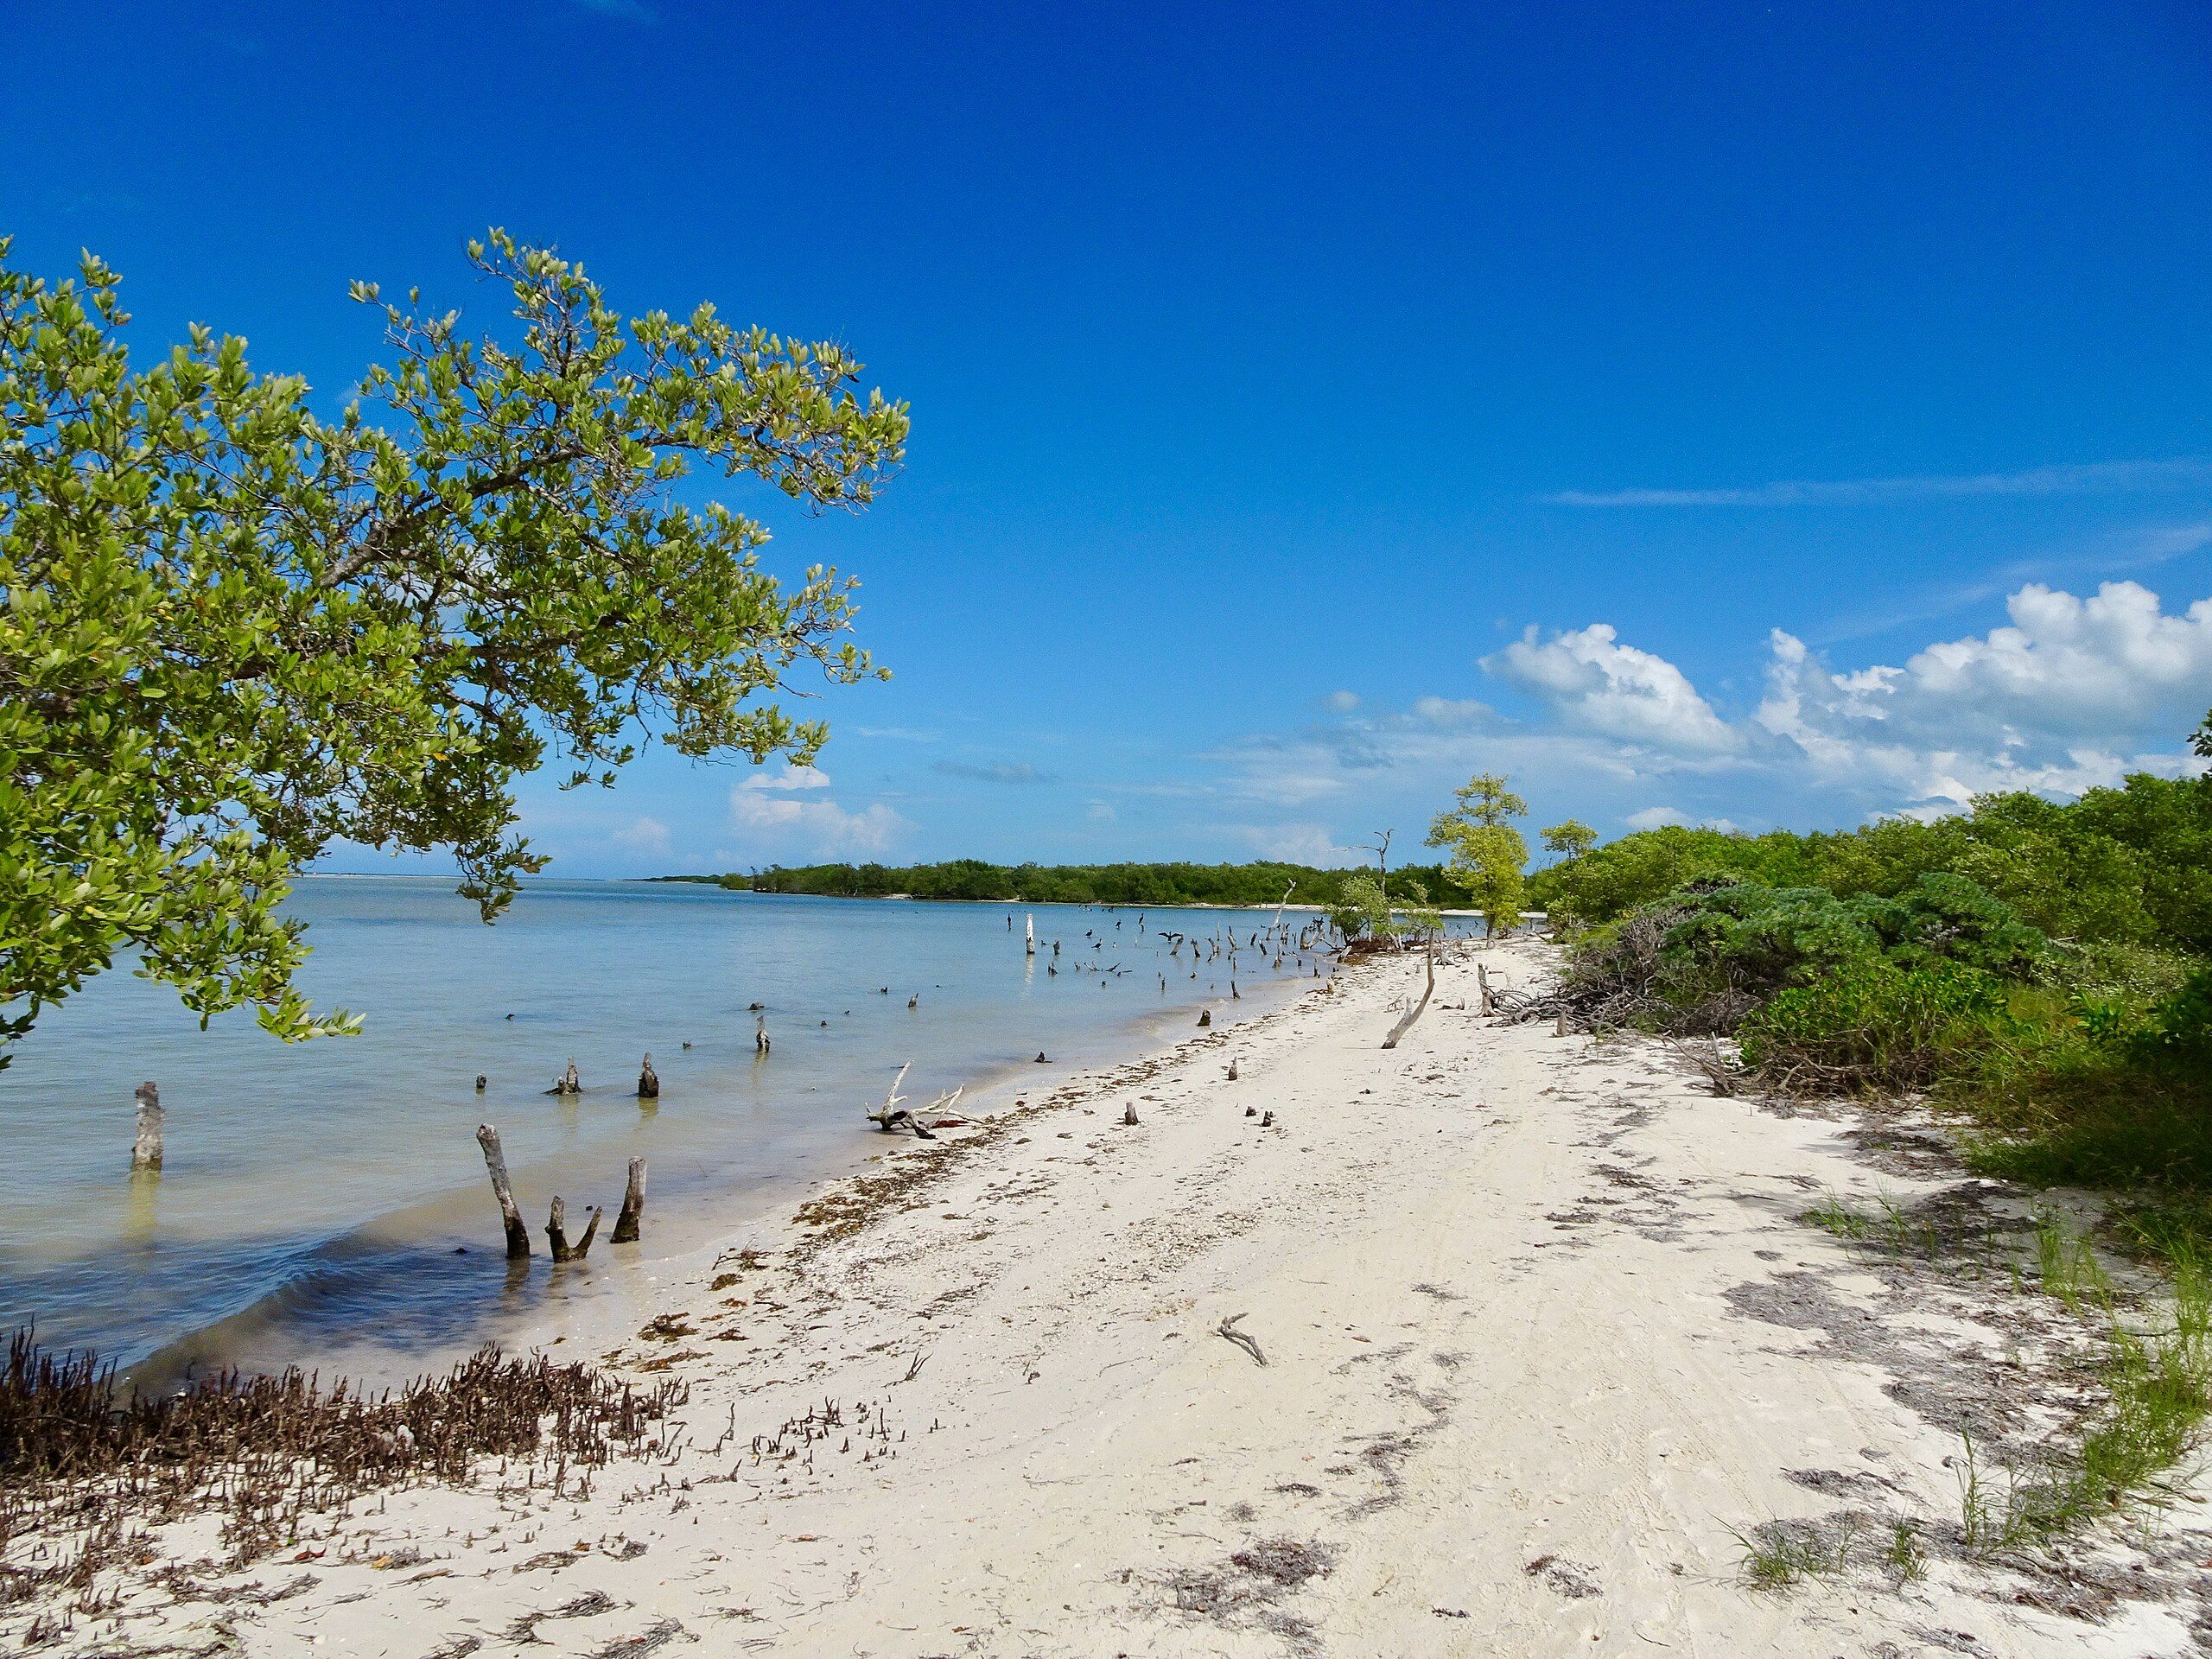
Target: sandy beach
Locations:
point(1538, 1339)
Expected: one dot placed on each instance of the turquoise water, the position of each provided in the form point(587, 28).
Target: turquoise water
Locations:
point(326, 1200)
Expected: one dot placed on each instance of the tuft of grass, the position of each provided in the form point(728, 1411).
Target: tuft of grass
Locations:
point(2158, 1387)
point(1891, 1227)
point(1904, 1555)
point(1831, 1214)
point(1780, 1554)
point(2068, 1267)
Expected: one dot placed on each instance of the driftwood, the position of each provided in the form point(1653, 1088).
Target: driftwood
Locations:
point(633, 1205)
point(146, 1148)
point(568, 1082)
point(1414, 1012)
point(1129, 1115)
point(495, 1161)
point(893, 1114)
point(480, 1080)
point(1232, 1070)
point(648, 1080)
point(1248, 1343)
point(556, 1232)
point(1205, 1015)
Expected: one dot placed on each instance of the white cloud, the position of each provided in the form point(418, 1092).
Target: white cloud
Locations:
point(769, 803)
point(2061, 700)
point(1099, 811)
point(1598, 684)
point(644, 835)
point(1343, 701)
point(1296, 843)
point(1448, 711)
point(788, 777)
point(1658, 817)
point(2106, 477)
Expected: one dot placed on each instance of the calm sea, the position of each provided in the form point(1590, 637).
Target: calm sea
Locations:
point(325, 1203)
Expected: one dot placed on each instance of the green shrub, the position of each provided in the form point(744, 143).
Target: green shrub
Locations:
point(1875, 1024)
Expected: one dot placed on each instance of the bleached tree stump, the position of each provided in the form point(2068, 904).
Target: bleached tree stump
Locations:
point(648, 1080)
point(495, 1161)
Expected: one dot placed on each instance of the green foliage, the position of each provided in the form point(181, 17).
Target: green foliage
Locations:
point(1571, 839)
point(236, 631)
point(1608, 883)
point(1160, 885)
point(1488, 855)
point(2127, 866)
point(1875, 1025)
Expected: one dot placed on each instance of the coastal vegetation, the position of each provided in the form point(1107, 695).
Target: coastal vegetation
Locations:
point(2039, 971)
point(1259, 883)
point(241, 625)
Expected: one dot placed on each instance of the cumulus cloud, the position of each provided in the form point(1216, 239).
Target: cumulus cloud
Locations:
point(789, 777)
point(1595, 683)
point(2060, 701)
point(779, 805)
point(1343, 701)
point(1661, 817)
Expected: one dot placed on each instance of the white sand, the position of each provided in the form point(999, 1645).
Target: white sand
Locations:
point(1518, 1296)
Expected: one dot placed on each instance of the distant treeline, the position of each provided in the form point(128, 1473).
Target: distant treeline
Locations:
point(1084, 884)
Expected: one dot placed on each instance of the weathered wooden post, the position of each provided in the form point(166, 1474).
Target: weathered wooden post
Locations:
point(568, 1082)
point(633, 1205)
point(1029, 935)
point(1129, 1115)
point(480, 1080)
point(146, 1150)
point(1206, 1016)
point(495, 1161)
point(556, 1232)
point(760, 1034)
point(648, 1080)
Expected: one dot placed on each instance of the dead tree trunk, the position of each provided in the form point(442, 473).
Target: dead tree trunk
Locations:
point(568, 1082)
point(496, 1161)
point(1414, 1012)
point(146, 1150)
point(1484, 1002)
point(556, 1232)
point(633, 1205)
point(648, 1080)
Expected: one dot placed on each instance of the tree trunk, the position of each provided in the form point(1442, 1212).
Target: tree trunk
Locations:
point(633, 1205)
point(648, 1081)
point(556, 1232)
point(146, 1150)
point(496, 1161)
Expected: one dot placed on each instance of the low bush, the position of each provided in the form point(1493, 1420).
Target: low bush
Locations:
point(1874, 1025)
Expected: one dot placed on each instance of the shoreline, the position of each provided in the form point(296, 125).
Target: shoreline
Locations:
point(1541, 1335)
point(607, 1292)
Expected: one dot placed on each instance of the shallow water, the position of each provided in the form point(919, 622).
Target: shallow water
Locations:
point(325, 1203)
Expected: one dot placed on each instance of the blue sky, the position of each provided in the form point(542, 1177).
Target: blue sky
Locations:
point(1757, 413)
